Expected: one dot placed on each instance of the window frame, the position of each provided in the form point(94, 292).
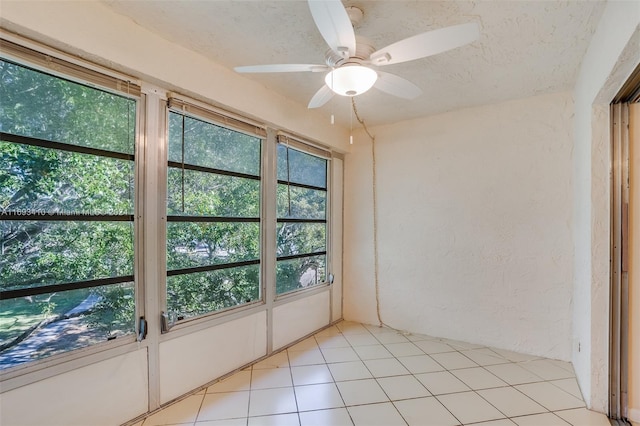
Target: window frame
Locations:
point(308, 148)
point(210, 115)
point(66, 68)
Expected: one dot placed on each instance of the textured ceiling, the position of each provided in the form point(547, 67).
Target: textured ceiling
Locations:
point(525, 47)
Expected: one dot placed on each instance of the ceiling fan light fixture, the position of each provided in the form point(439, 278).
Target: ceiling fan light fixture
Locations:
point(351, 80)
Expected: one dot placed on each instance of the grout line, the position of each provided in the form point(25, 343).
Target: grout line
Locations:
point(367, 332)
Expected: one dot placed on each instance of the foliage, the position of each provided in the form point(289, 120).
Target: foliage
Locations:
point(210, 194)
point(47, 183)
point(295, 202)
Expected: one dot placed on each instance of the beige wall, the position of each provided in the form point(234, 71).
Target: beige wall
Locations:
point(634, 264)
point(474, 225)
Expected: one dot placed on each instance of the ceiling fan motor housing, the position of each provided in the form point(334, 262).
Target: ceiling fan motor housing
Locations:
point(364, 49)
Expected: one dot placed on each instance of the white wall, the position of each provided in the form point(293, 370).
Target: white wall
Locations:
point(613, 53)
point(299, 318)
point(474, 226)
point(100, 394)
point(194, 359)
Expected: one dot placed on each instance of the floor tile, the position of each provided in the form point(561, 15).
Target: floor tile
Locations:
point(308, 357)
point(376, 415)
point(394, 337)
point(415, 337)
point(484, 357)
point(219, 406)
point(514, 356)
point(568, 385)
point(420, 364)
point(583, 417)
point(547, 370)
point(469, 407)
point(329, 331)
point(311, 375)
point(274, 361)
point(333, 342)
point(332, 417)
point(225, 422)
point(441, 382)
point(366, 375)
point(318, 397)
point(403, 349)
point(271, 378)
point(358, 392)
point(237, 382)
point(339, 354)
point(361, 339)
point(308, 343)
point(513, 374)
point(511, 402)
point(402, 387)
point(546, 419)
point(372, 352)
point(350, 329)
point(550, 397)
point(376, 329)
point(184, 411)
point(501, 422)
point(385, 367)
point(353, 370)
point(290, 419)
point(453, 360)
point(563, 364)
point(478, 378)
point(425, 412)
point(458, 345)
point(348, 325)
point(264, 402)
point(433, 347)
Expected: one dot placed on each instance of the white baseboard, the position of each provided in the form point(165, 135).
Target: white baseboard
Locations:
point(634, 415)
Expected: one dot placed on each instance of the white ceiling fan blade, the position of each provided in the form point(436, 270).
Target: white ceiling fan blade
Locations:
point(396, 86)
point(426, 44)
point(334, 25)
point(321, 97)
point(282, 68)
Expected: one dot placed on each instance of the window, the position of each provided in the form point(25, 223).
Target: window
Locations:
point(67, 191)
point(213, 217)
point(302, 220)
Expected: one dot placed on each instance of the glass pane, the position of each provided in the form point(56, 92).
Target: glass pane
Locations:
point(35, 327)
point(301, 203)
point(45, 181)
point(37, 253)
point(47, 107)
point(212, 146)
point(195, 294)
point(198, 244)
point(304, 168)
point(300, 238)
point(209, 194)
point(300, 273)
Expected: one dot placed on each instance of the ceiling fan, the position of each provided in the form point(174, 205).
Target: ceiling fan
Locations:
point(350, 59)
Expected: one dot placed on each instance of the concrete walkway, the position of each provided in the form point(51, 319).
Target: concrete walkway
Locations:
point(53, 338)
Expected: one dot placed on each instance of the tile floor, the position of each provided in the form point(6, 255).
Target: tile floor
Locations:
point(352, 374)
